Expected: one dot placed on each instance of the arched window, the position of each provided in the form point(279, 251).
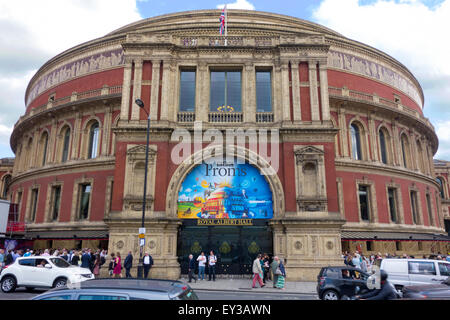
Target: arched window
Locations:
point(441, 187)
point(93, 141)
point(420, 164)
point(356, 141)
point(44, 146)
point(65, 145)
point(6, 183)
point(384, 146)
point(405, 150)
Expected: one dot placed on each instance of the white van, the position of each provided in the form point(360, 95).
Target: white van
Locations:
point(410, 272)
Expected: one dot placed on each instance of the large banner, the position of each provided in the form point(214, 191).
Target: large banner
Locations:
point(225, 191)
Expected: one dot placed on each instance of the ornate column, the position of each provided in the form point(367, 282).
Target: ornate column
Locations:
point(124, 109)
point(396, 143)
point(277, 93)
point(343, 130)
point(315, 115)
point(285, 100)
point(324, 98)
point(76, 136)
point(106, 130)
point(296, 91)
point(249, 97)
point(202, 94)
point(166, 88)
point(373, 137)
point(137, 87)
point(155, 90)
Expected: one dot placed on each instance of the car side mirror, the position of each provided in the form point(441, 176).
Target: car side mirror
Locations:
point(48, 266)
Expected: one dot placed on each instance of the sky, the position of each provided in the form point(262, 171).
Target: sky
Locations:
point(411, 31)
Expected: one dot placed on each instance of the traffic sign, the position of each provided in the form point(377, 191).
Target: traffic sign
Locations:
point(141, 236)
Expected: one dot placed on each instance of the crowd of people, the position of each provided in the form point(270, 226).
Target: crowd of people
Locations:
point(85, 258)
point(264, 269)
point(365, 263)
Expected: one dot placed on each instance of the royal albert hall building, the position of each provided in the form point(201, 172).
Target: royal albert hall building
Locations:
point(353, 149)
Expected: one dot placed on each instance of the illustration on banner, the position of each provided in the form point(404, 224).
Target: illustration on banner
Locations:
point(225, 191)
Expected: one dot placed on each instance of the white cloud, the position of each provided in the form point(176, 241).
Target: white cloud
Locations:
point(35, 31)
point(239, 4)
point(411, 32)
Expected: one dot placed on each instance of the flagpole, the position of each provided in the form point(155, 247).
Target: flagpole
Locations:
point(226, 24)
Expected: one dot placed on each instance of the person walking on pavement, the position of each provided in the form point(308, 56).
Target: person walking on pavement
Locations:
point(281, 272)
point(111, 265)
point(212, 259)
point(97, 262)
point(201, 265)
point(273, 268)
point(2, 258)
point(257, 272)
point(118, 266)
point(191, 269)
point(148, 263)
point(128, 264)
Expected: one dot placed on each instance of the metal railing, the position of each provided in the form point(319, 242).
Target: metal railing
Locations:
point(225, 117)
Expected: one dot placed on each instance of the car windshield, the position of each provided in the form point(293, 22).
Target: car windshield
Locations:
point(61, 263)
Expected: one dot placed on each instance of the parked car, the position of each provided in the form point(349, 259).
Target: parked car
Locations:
point(122, 289)
point(41, 271)
point(334, 283)
point(430, 291)
point(410, 272)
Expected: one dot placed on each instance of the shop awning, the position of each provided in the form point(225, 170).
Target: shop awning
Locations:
point(73, 234)
point(392, 236)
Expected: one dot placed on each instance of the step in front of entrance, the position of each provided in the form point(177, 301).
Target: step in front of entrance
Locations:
point(223, 276)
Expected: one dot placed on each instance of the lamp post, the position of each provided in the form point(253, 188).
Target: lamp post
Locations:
point(140, 103)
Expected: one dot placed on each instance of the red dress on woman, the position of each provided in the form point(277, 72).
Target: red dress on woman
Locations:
point(118, 267)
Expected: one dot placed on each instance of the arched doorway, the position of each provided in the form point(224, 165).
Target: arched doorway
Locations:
point(225, 206)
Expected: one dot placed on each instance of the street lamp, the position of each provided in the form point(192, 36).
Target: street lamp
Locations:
point(140, 103)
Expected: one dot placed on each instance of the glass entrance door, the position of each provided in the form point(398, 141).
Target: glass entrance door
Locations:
point(235, 246)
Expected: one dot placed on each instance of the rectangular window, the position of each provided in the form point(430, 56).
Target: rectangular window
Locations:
point(263, 91)
point(444, 268)
point(363, 192)
point(34, 201)
point(85, 195)
point(421, 267)
point(392, 192)
point(369, 246)
point(187, 91)
point(225, 94)
point(56, 196)
point(414, 207)
point(398, 245)
point(430, 211)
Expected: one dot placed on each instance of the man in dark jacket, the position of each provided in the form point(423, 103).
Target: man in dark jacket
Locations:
point(191, 268)
point(9, 258)
point(128, 264)
point(386, 291)
point(86, 260)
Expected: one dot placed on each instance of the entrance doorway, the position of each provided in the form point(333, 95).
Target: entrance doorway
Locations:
point(235, 246)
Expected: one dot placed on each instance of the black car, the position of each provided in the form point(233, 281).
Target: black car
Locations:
point(438, 291)
point(122, 289)
point(334, 283)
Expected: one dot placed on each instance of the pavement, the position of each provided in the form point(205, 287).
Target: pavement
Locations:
point(233, 284)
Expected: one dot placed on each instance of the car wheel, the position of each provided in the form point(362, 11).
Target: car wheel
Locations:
point(330, 295)
point(8, 284)
point(60, 282)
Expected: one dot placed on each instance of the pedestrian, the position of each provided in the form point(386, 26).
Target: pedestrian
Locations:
point(65, 256)
point(363, 263)
point(27, 253)
point(2, 258)
point(201, 265)
point(75, 259)
point(191, 268)
point(212, 259)
point(148, 263)
point(9, 258)
point(355, 261)
point(118, 266)
point(266, 267)
point(111, 265)
point(281, 275)
point(257, 272)
point(273, 268)
point(85, 260)
point(46, 253)
point(96, 269)
point(128, 264)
